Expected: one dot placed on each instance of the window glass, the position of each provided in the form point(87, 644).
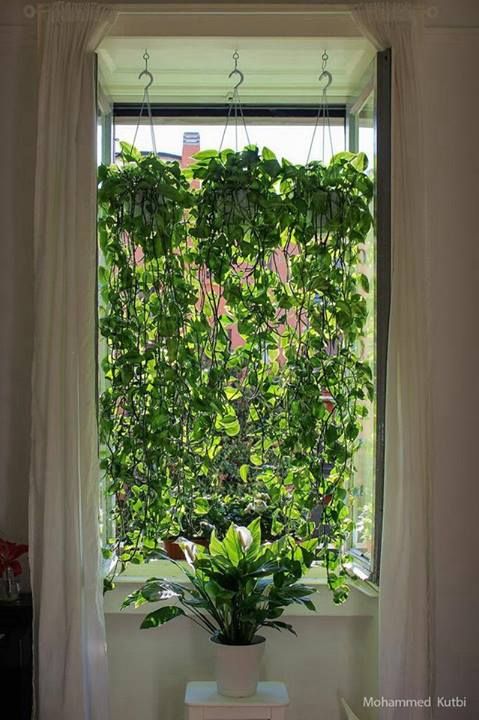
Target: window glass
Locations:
point(291, 140)
point(363, 487)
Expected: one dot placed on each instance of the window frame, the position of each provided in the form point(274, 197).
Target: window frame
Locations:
point(217, 112)
point(383, 282)
point(380, 84)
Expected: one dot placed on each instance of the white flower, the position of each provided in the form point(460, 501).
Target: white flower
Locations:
point(189, 550)
point(244, 536)
point(259, 506)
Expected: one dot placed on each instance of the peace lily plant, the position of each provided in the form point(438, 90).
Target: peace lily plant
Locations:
point(235, 587)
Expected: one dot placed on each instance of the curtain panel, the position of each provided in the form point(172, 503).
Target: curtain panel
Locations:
point(406, 600)
point(69, 636)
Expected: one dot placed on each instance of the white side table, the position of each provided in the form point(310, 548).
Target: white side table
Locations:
point(203, 702)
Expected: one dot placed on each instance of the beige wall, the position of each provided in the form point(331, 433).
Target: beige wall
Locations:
point(452, 173)
point(17, 161)
point(329, 650)
point(328, 659)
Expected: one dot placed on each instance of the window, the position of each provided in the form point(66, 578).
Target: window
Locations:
point(362, 138)
point(286, 131)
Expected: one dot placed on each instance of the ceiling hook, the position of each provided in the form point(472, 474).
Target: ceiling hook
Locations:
point(326, 74)
point(149, 76)
point(146, 72)
point(236, 71)
point(241, 76)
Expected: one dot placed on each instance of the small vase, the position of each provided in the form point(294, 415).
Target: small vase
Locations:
point(9, 587)
point(237, 667)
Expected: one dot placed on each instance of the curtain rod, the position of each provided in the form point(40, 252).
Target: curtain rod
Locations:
point(346, 8)
point(227, 12)
point(232, 9)
point(30, 11)
point(208, 9)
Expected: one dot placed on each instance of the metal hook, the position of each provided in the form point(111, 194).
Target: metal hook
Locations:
point(146, 72)
point(326, 74)
point(236, 71)
point(149, 75)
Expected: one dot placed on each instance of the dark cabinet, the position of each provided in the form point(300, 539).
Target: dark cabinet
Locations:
point(16, 659)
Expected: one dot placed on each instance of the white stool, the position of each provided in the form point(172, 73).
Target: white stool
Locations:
point(203, 702)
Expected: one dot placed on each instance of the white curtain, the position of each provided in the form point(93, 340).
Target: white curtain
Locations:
point(70, 650)
point(406, 603)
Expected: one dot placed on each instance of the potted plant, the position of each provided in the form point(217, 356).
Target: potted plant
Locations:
point(195, 527)
point(235, 587)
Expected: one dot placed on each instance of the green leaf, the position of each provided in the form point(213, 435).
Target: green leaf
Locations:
point(202, 506)
point(232, 428)
point(232, 546)
point(360, 162)
point(255, 529)
point(256, 459)
point(272, 167)
point(229, 422)
point(243, 471)
point(364, 282)
point(268, 154)
point(108, 585)
point(343, 155)
point(161, 616)
point(279, 625)
point(216, 547)
point(233, 393)
point(205, 154)
point(129, 152)
point(132, 599)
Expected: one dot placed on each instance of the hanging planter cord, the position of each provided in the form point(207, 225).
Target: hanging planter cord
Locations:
point(235, 105)
point(323, 110)
point(145, 104)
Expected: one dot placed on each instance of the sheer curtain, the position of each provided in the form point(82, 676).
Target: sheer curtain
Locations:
point(70, 650)
point(406, 603)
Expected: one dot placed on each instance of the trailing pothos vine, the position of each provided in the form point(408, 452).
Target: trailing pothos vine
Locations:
point(232, 315)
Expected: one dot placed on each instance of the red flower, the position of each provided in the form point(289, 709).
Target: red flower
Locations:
point(9, 554)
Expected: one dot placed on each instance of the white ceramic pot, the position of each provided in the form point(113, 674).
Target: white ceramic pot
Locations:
point(237, 667)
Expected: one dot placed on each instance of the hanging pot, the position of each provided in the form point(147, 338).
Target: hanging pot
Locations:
point(138, 209)
point(321, 220)
point(234, 203)
point(238, 666)
point(174, 551)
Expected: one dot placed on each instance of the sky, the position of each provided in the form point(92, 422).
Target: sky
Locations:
point(289, 141)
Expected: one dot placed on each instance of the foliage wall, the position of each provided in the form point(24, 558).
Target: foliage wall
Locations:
point(198, 430)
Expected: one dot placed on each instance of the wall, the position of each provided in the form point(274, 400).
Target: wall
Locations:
point(329, 651)
point(149, 669)
point(17, 133)
point(452, 174)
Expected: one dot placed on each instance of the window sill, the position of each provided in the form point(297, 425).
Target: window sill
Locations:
point(362, 601)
